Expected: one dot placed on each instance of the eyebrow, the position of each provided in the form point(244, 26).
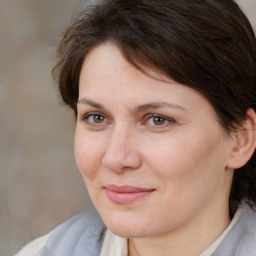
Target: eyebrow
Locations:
point(141, 108)
point(90, 102)
point(156, 105)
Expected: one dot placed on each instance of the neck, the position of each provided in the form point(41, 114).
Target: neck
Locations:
point(191, 239)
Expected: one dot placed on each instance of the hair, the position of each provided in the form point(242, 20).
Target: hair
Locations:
point(208, 45)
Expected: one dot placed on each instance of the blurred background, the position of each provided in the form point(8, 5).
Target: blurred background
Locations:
point(40, 185)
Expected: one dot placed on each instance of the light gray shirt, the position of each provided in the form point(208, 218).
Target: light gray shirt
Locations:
point(86, 235)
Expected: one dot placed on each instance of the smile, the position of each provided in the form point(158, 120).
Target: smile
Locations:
point(126, 194)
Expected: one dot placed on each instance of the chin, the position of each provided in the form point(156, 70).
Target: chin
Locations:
point(127, 232)
point(126, 226)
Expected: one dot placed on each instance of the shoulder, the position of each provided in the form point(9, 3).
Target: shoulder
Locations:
point(82, 232)
point(33, 247)
point(241, 239)
point(247, 245)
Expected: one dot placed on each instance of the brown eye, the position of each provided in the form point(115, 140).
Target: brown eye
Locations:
point(95, 119)
point(157, 120)
point(98, 119)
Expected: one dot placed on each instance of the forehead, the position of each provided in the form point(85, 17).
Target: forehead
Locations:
point(107, 77)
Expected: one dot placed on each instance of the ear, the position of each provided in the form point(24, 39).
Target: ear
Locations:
point(244, 142)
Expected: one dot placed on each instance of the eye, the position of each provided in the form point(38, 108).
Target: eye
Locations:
point(94, 118)
point(158, 121)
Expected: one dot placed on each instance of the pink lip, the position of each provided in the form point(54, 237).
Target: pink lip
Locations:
point(126, 194)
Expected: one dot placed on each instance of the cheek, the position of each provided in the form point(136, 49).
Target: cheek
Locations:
point(88, 155)
point(187, 161)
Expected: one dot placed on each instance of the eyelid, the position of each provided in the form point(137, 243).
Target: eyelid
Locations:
point(91, 113)
point(86, 116)
point(170, 120)
point(145, 121)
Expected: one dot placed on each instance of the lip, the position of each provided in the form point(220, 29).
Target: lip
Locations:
point(126, 194)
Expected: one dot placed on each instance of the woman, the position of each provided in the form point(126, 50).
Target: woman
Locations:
point(164, 93)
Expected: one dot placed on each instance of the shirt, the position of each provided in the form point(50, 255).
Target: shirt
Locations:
point(114, 245)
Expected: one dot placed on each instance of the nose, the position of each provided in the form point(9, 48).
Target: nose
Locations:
point(122, 152)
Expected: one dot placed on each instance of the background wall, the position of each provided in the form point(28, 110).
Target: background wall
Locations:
point(40, 185)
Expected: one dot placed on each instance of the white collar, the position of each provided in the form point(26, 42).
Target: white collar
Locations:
point(114, 245)
point(217, 242)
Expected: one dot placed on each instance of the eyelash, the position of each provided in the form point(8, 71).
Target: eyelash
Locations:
point(167, 121)
point(92, 114)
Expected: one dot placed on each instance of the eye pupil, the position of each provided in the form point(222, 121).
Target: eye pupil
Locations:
point(158, 120)
point(98, 118)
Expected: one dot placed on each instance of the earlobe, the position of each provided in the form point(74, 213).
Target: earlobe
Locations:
point(245, 142)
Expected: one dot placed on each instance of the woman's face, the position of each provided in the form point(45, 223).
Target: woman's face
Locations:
point(151, 152)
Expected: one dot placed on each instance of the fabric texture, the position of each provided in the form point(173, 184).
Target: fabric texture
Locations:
point(33, 247)
point(210, 250)
point(241, 240)
point(83, 235)
point(114, 245)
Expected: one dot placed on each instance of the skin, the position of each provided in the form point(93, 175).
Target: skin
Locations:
point(182, 155)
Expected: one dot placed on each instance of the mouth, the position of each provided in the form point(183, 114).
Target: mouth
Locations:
point(126, 194)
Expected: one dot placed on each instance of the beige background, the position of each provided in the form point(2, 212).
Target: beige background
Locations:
point(40, 185)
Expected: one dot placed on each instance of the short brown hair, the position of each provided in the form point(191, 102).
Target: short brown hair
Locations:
point(208, 45)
